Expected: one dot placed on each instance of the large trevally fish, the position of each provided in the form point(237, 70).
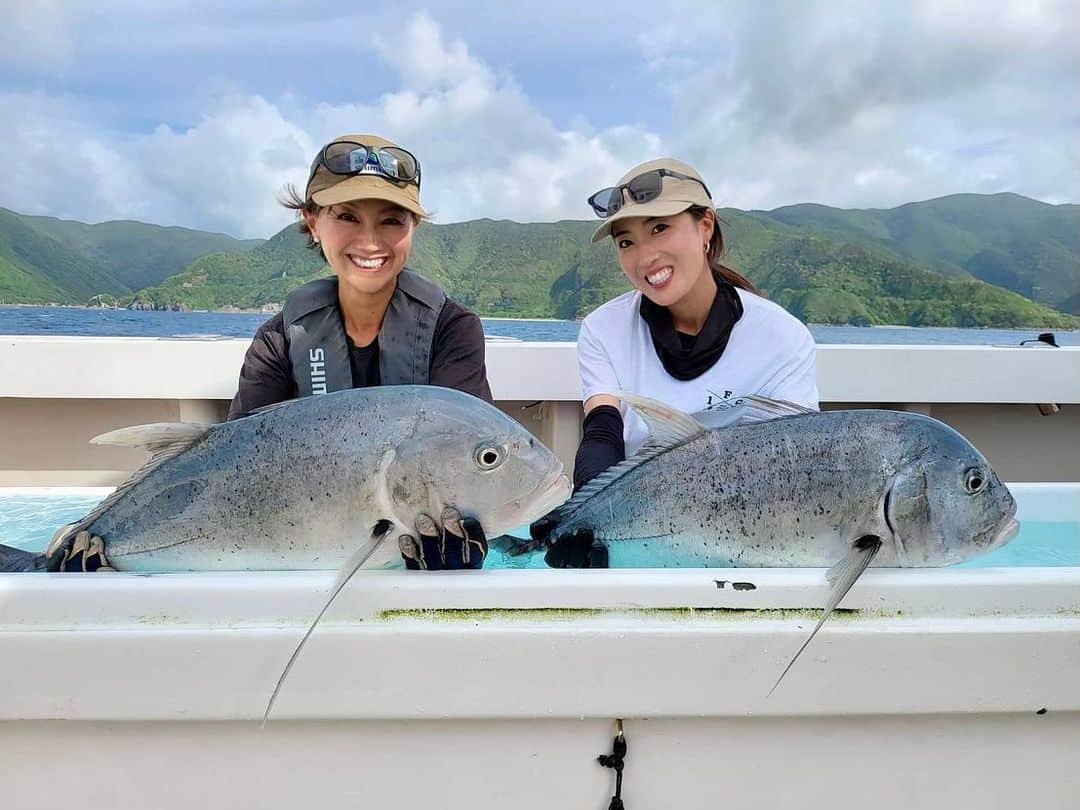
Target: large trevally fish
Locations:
point(307, 483)
point(785, 486)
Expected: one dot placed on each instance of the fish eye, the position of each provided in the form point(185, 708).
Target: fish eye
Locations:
point(489, 457)
point(974, 480)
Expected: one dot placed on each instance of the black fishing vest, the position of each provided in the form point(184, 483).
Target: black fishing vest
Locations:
point(319, 353)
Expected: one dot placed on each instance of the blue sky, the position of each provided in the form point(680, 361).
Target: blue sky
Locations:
point(197, 113)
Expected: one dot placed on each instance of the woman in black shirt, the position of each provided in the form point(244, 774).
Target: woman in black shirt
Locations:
point(374, 322)
point(361, 207)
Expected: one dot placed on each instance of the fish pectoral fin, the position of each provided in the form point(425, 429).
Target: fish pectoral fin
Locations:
point(841, 576)
point(359, 557)
point(156, 438)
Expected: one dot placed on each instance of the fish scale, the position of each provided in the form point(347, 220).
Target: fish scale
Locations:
point(301, 485)
point(794, 491)
point(844, 489)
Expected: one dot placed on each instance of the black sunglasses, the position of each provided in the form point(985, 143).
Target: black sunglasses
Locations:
point(642, 189)
point(347, 157)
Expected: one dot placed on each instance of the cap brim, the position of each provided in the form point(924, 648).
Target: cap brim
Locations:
point(656, 208)
point(368, 187)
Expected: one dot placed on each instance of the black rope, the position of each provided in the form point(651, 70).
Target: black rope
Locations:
point(615, 760)
point(1044, 337)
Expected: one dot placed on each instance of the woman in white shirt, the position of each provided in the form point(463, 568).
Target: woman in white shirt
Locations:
point(693, 332)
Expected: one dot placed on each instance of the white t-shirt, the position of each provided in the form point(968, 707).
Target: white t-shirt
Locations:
point(769, 353)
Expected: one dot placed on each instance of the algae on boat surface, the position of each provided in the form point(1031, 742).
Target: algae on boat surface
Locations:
point(569, 614)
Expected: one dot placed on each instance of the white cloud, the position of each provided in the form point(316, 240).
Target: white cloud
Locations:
point(485, 150)
point(884, 103)
point(425, 62)
point(222, 174)
point(37, 33)
point(867, 105)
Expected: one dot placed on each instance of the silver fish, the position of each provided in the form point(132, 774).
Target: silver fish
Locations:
point(785, 486)
point(304, 484)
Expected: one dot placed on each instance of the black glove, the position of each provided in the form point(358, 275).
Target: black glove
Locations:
point(578, 550)
point(458, 543)
point(86, 553)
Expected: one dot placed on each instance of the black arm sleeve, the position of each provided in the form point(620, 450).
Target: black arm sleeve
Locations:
point(266, 376)
point(601, 446)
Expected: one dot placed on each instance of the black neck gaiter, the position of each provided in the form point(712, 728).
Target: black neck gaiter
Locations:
point(684, 356)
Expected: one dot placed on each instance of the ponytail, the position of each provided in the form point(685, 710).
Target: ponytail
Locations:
point(716, 252)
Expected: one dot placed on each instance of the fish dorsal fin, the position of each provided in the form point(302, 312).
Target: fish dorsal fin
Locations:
point(748, 409)
point(156, 438)
point(164, 440)
point(668, 427)
point(608, 476)
point(273, 406)
point(774, 407)
point(841, 577)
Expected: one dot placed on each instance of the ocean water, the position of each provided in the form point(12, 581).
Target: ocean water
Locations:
point(28, 518)
point(131, 323)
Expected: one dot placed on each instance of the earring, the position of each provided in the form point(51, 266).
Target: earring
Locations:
point(706, 247)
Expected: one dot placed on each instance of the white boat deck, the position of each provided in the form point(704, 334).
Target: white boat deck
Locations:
point(943, 689)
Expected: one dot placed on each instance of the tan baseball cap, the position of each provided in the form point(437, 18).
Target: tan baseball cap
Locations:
point(676, 194)
point(326, 188)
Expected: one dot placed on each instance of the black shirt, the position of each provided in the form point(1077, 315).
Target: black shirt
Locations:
point(364, 363)
point(685, 356)
point(457, 361)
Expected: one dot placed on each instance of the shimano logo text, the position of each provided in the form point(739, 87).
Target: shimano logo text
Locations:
point(318, 370)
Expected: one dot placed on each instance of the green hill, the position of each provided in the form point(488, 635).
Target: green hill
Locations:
point(138, 254)
point(70, 277)
point(965, 260)
point(1024, 245)
point(502, 268)
point(48, 260)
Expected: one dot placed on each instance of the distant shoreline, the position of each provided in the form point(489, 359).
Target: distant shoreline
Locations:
point(238, 311)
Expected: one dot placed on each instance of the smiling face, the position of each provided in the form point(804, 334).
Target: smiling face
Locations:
point(366, 242)
point(664, 257)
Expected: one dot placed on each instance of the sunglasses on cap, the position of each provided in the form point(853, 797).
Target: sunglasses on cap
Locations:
point(391, 162)
point(642, 189)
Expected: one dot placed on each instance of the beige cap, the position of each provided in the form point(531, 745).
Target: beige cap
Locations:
point(676, 195)
point(326, 188)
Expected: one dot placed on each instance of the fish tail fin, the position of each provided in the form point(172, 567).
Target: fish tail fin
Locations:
point(842, 576)
point(514, 546)
point(16, 560)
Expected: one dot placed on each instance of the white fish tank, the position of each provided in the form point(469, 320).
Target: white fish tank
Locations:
point(1049, 516)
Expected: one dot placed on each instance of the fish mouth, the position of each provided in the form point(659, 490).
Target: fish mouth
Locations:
point(553, 492)
point(1006, 533)
point(549, 493)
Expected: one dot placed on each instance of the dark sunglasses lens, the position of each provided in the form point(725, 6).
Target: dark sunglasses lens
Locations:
point(606, 201)
point(397, 163)
point(345, 158)
point(645, 187)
